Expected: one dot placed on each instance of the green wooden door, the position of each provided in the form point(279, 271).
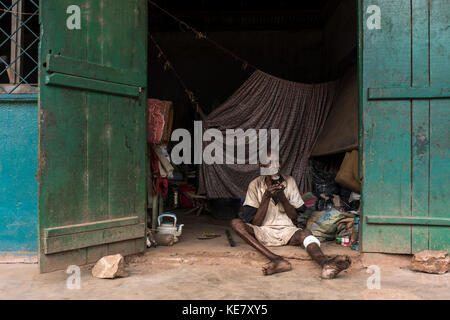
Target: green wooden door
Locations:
point(405, 99)
point(92, 141)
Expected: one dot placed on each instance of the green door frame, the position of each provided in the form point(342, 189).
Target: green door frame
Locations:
point(360, 109)
point(421, 221)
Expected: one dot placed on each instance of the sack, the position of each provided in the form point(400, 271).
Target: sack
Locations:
point(347, 176)
point(323, 224)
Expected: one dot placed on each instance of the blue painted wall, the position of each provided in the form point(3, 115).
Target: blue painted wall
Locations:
point(18, 166)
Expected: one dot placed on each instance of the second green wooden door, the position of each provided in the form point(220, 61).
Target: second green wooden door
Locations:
point(405, 68)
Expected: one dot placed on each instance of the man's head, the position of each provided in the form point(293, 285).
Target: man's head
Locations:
point(272, 168)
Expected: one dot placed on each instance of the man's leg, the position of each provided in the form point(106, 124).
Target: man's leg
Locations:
point(330, 267)
point(277, 263)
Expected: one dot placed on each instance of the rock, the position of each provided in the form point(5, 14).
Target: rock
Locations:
point(431, 261)
point(110, 267)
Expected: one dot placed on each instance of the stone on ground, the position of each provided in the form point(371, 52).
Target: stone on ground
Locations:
point(110, 267)
point(431, 262)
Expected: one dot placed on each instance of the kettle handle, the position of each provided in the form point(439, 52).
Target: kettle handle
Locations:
point(170, 215)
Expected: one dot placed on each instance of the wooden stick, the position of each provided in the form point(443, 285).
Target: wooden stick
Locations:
point(230, 239)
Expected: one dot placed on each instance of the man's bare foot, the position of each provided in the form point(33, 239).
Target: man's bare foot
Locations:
point(276, 266)
point(335, 265)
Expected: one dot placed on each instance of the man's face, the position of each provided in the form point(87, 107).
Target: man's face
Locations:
point(272, 168)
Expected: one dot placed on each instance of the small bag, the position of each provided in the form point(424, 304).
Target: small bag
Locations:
point(347, 176)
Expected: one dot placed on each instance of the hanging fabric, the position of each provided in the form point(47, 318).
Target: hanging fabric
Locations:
point(267, 102)
point(160, 184)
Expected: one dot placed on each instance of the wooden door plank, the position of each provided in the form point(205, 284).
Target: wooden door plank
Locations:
point(420, 171)
point(90, 226)
point(99, 128)
point(58, 79)
point(415, 221)
point(127, 158)
point(387, 127)
point(62, 138)
point(123, 147)
point(420, 118)
point(439, 123)
point(439, 237)
point(97, 71)
point(92, 238)
point(437, 92)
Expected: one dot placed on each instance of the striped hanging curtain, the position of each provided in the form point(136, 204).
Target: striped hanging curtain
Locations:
point(267, 102)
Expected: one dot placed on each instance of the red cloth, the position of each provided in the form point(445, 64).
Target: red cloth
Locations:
point(186, 202)
point(155, 121)
point(309, 201)
point(160, 185)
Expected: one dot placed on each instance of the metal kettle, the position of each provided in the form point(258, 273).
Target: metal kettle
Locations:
point(169, 227)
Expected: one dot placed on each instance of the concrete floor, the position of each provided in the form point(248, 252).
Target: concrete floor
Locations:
point(211, 269)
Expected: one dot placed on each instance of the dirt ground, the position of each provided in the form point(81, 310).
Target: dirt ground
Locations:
point(211, 269)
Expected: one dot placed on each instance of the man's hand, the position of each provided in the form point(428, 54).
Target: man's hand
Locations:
point(273, 190)
point(279, 193)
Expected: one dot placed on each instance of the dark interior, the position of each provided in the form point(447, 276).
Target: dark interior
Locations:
point(302, 41)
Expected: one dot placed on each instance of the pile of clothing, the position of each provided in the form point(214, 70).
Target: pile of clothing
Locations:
point(333, 206)
point(309, 200)
point(324, 224)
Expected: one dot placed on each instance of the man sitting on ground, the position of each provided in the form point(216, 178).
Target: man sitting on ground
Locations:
point(267, 216)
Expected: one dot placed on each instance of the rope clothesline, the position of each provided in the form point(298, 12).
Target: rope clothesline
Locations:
point(169, 65)
point(202, 35)
point(199, 35)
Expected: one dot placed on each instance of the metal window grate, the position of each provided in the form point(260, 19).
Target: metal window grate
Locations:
point(19, 44)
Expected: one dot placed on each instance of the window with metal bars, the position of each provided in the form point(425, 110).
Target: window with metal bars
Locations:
point(19, 45)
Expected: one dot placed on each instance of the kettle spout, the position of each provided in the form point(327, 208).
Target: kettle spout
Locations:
point(180, 229)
